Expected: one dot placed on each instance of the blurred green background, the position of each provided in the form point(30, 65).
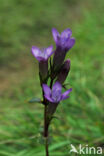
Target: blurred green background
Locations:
point(24, 23)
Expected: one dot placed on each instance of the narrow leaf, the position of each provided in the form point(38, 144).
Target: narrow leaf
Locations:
point(35, 100)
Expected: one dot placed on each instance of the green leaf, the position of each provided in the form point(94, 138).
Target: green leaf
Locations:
point(55, 117)
point(65, 85)
point(4, 153)
point(35, 100)
point(58, 145)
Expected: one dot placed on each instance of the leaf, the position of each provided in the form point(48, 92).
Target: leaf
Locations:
point(55, 117)
point(58, 145)
point(35, 100)
point(65, 85)
point(4, 153)
point(54, 147)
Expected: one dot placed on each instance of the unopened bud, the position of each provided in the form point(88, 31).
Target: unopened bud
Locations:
point(64, 72)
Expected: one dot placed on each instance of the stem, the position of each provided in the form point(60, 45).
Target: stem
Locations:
point(51, 83)
point(46, 146)
point(46, 130)
point(45, 122)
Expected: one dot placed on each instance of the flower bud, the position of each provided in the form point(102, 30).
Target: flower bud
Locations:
point(64, 72)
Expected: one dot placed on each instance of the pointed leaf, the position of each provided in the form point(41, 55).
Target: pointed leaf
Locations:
point(35, 100)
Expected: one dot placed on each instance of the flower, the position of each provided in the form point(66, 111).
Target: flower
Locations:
point(55, 95)
point(42, 55)
point(64, 72)
point(64, 42)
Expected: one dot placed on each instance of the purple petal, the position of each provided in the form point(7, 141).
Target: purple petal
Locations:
point(40, 58)
point(56, 86)
point(64, 98)
point(55, 34)
point(65, 94)
point(66, 33)
point(46, 89)
point(56, 96)
point(49, 51)
point(48, 98)
point(70, 43)
point(56, 92)
point(36, 53)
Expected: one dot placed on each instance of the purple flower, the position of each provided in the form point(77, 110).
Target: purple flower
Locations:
point(64, 72)
point(55, 95)
point(64, 42)
point(42, 55)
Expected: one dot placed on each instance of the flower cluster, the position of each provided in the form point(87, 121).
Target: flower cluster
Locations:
point(53, 71)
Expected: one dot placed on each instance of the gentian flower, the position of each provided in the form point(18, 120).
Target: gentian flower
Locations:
point(55, 95)
point(61, 77)
point(42, 56)
point(64, 39)
point(64, 42)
